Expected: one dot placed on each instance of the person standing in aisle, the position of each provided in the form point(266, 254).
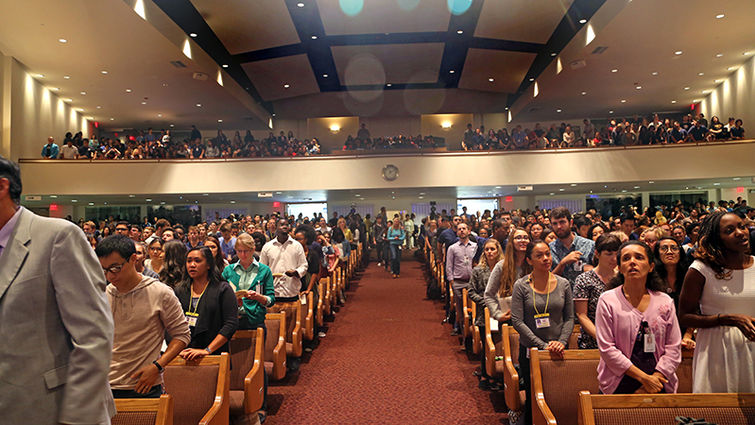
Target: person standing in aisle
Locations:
point(395, 237)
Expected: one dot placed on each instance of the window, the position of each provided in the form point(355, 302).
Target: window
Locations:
point(307, 210)
point(474, 205)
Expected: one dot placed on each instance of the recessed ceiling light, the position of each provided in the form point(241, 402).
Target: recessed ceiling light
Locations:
point(74, 200)
point(558, 110)
point(159, 115)
point(561, 189)
point(40, 75)
point(719, 55)
point(737, 178)
point(68, 99)
point(67, 77)
point(746, 53)
point(314, 37)
point(573, 185)
point(144, 102)
point(651, 182)
point(654, 73)
point(718, 80)
point(103, 72)
point(389, 85)
point(300, 4)
point(706, 91)
point(460, 32)
point(731, 68)
point(673, 101)
point(199, 105)
point(451, 71)
point(148, 199)
point(623, 101)
point(700, 74)
point(91, 203)
point(636, 187)
point(610, 112)
point(324, 75)
point(192, 34)
point(99, 107)
point(678, 52)
point(112, 119)
point(83, 93)
point(172, 125)
point(54, 88)
point(63, 40)
point(614, 70)
point(583, 21)
point(285, 86)
point(553, 54)
point(233, 202)
point(716, 184)
point(532, 79)
point(128, 90)
point(225, 65)
point(686, 88)
point(491, 79)
point(638, 87)
point(220, 120)
point(584, 93)
point(720, 15)
point(131, 196)
point(552, 193)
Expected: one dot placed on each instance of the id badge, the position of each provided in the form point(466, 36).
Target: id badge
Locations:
point(649, 342)
point(542, 320)
point(192, 319)
point(303, 299)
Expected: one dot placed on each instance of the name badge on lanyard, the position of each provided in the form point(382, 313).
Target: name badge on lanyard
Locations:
point(542, 320)
point(649, 342)
point(192, 318)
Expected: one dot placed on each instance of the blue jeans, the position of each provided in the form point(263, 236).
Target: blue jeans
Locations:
point(395, 259)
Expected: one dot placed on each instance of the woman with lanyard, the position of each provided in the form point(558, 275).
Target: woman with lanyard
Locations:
point(253, 283)
point(209, 304)
point(637, 329)
point(542, 311)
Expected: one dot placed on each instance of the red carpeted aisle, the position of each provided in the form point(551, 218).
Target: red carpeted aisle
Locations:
point(386, 360)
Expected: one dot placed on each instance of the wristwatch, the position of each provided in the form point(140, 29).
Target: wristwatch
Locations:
point(159, 366)
point(208, 350)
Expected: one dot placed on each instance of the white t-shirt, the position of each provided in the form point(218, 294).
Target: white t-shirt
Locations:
point(69, 152)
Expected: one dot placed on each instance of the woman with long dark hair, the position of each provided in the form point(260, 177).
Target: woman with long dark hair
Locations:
point(505, 273)
point(718, 298)
point(156, 258)
point(213, 244)
point(174, 268)
point(672, 264)
point(637, 329)
point(209, 303)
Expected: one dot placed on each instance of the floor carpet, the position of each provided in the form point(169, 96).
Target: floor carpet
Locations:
point(386, 359)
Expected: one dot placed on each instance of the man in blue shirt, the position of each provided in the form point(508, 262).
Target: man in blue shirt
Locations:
point(227, 241)
point(50, 150)
point(571, 254)
point(697, 132)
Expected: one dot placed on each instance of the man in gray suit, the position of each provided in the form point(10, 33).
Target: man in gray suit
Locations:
point(56, 330)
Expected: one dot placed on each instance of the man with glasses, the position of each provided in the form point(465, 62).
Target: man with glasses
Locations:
point(122, 228)
point(55, 329)
point(144, 310)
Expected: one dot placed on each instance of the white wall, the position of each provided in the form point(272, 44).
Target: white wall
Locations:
point(734, 97)
point(36, 113)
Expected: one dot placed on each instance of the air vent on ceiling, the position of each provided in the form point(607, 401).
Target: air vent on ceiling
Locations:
point(599, 50)
point(200, 76)
point(178, 64)
point(578, 64)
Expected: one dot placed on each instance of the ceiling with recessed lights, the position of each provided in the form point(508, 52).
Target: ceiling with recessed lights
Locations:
point(304, 58)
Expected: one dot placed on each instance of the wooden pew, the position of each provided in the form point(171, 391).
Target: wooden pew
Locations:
point(294, 343)
point(466, 328)
point(247, 375)
point(199, 389)
point(722, 409)
point(157, 411)
point(308, 315)
point(556, 382)
point(275, 345)
point(474, 331)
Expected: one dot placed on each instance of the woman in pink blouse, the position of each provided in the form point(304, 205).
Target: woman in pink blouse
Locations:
point(637, 329)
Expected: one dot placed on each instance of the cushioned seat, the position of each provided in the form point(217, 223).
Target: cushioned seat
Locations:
point(144, 411)
point(199, 389)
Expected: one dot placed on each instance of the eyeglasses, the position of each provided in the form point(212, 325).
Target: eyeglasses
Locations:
point(668, 248)
point(121, 229)
point(521, 238)
point(115, 268)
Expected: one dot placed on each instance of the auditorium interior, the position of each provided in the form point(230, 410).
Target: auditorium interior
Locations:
point(202, 111)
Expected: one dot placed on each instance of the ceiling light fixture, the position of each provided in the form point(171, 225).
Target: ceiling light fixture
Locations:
point(654, 73)
point(220, 120)
point(103, 72)
point(584, 93)
point(159, 115)
point(40, 75)
point(558, 110)
point(68, 99)
point(324, 75)
point(67, 77)
point(700, 74)
point(83, 93)
point(192, 34)
point(554, 54)
point(719, 55)
point(491, 79)
point(686, 88)
point(720, 15)
point(285, 86)
point(54, 88)
point(300, 4)
point(225, 65)
point(673, 101)
point(731, 68)
point(638, 87)
point(614, 70)
point(128, 90)
point(678, 52)
point(144, 102)
point(99, 107)
point(62, 40)
point(460, 32)
point(746, 53)
point(451, 71)
point(532, 79)
point(718, 80)
point(623, 101)
point(610, 112)
point(112, 119)
point(583, 21)
point(199, 105)
point(389, 85)
point(314, 37)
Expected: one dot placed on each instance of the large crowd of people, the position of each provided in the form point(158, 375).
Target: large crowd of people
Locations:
point(151, 145)
point(642, 286)
point(616, 132)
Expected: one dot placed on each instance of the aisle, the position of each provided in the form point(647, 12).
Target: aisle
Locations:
point(386, 360)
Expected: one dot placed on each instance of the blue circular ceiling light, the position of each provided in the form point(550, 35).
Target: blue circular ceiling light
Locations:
point(351, 7)
point(458, 7)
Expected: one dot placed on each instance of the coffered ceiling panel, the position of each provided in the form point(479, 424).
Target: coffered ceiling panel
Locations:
point(244, 26)
point(384, 16)
point(388, 63)
point(507, 69)
point(521, 20)
point(271, 77)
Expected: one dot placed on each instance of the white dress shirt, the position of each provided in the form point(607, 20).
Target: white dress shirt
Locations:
point(281, 257)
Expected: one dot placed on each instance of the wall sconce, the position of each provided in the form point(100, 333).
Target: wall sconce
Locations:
point(335, 128)
point(446, 125)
